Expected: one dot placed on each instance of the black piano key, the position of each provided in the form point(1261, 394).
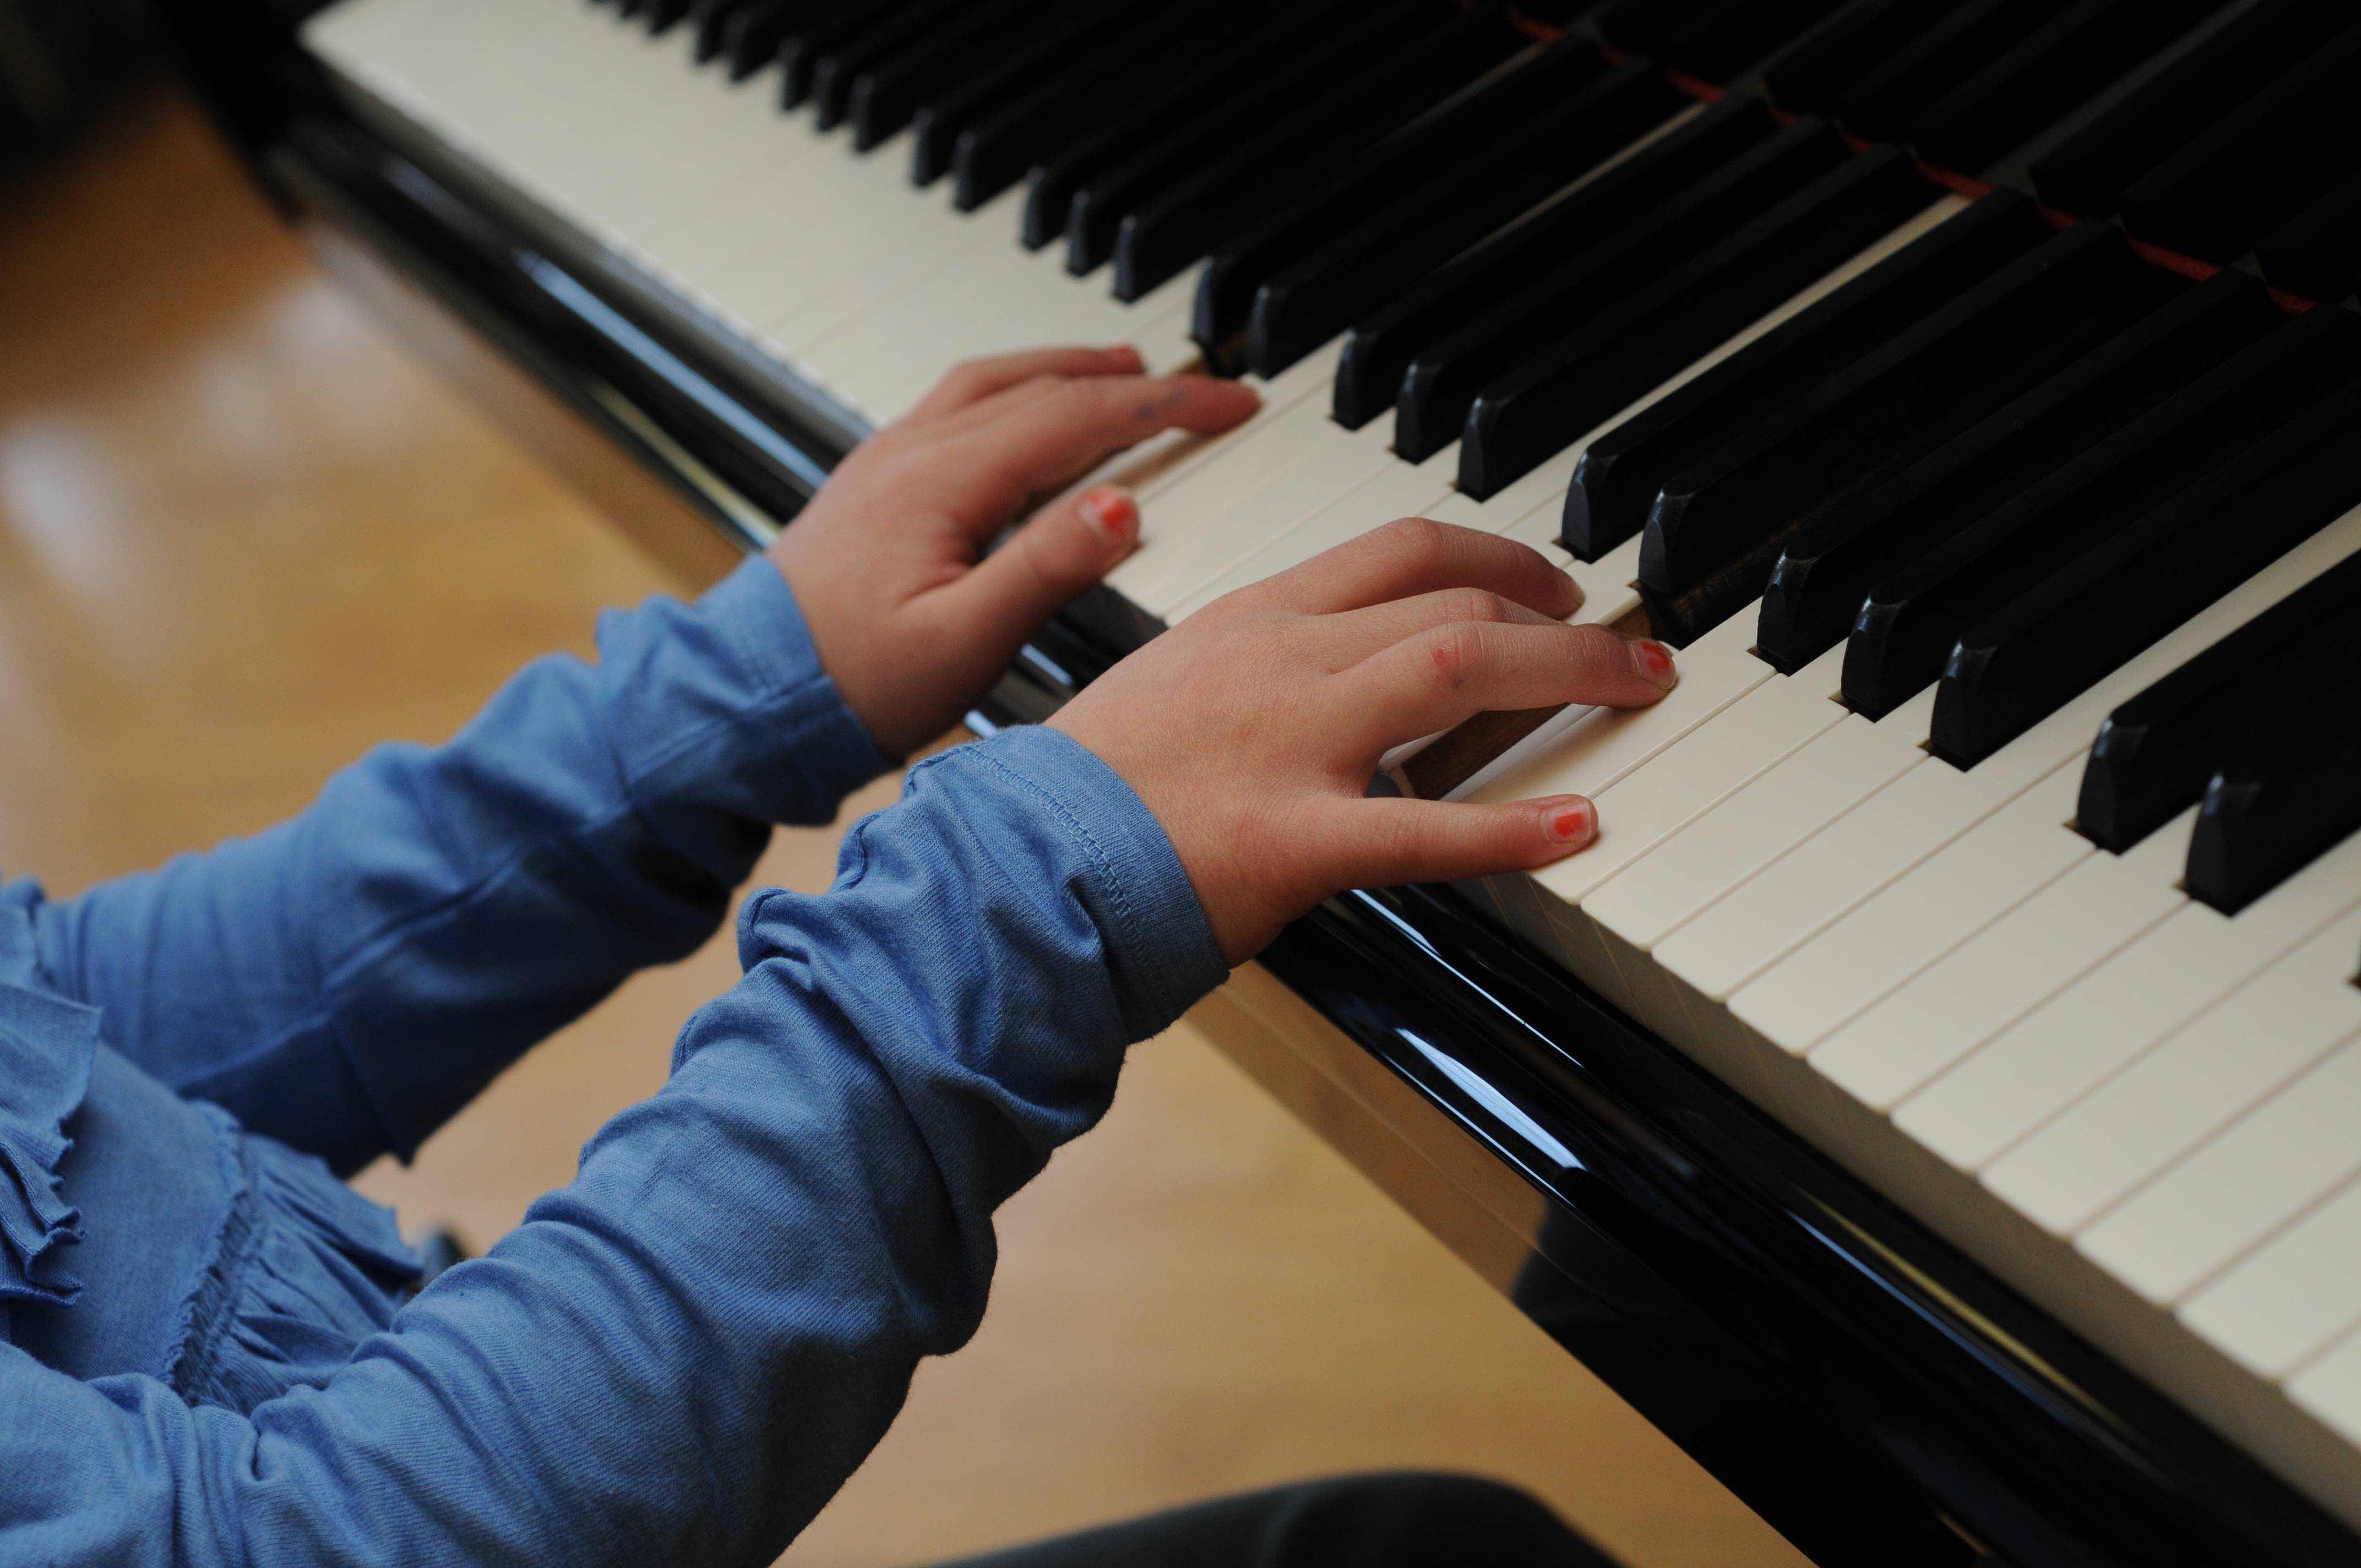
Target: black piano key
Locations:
point(1718, 526)
point(886, 91)
point(2202, 80)
point(711, 20)
point(2317, 254)
point(1630, 345)
point(1321, 90)
point(2288, 792)
point(1440, 388)
point(751, 36)
point(2259, 165)
point(1362, 266)
point(939, 121)
point(822, 32)
point(1811, 75)
point(1620, 472)
point(1486, 134)
point(1284, 165)
point(661, 15)
point(834, 62)
point(1378, 351)
point(1248, 65)
point(1720, 41)
point(1080, 92)
point(1641, 27)
point(1935, 61)
point(2156, 752)
point(2048, 646)
point(1910, 621)
point(2044, 75)
point(1841, 549)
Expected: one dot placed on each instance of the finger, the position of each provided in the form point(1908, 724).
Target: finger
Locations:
point(1384, 842)
point(1048, 440)
point(1057, 553)
point(1447, 674)
point(976, 380)
point(1417, 555)
point(1344, 641)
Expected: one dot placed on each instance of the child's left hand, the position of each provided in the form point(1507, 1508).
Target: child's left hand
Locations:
point(912, 619)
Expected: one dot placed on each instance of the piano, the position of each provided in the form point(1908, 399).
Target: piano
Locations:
point(1935, 1102)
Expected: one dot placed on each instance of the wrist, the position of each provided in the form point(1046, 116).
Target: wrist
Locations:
point(1159, 944)
point(796, 738)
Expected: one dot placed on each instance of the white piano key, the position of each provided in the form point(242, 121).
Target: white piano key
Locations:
point(1600, 746)
point(1401, 490)
point(1159, 324)
point(2330, 1388)
point(2088, 1032)
point(2298, 1292)
point(1303, 461)
point(2215, 1206)
point(2006, 970)
point(1819, 880)
point(1719, 758)
point(1609, 585)
point(2244, 1048)
point(1976, 878)
point(1824, 878)
point(1748, 831)
point(890, 243)
point(1158, 467)
point(998, 299)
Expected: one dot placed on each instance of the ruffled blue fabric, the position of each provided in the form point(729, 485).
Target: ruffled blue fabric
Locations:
point(46, 1046)
point(307, 1268)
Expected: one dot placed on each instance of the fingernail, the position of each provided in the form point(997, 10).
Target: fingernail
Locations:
point(1654, 662)
point(1571, 821)
point(1128, 355)
point(1113, 511)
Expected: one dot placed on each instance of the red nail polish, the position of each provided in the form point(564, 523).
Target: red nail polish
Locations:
point(1114, 511)
point(1572, 822)
point(1656, 661)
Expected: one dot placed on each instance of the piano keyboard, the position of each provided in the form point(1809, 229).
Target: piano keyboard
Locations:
point(1999, 838)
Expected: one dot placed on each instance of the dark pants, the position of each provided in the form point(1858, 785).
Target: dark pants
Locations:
point(1353, 1521)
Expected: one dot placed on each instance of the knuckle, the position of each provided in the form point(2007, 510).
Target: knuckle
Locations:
point(1418, 539)
point(1474, 604)
point(1454, 653)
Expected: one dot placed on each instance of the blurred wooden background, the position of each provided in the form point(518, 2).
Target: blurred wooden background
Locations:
point(243, 536)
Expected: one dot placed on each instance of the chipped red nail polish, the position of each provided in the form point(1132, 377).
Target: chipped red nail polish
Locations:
point(1113, 511)
point(1570, 822)
point(1654, 661)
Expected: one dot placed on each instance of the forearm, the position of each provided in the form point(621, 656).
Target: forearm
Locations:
point(346, 980)
point(680, 1356)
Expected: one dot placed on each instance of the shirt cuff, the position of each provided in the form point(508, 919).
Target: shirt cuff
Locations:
point(806, 749)
point(1160, 946)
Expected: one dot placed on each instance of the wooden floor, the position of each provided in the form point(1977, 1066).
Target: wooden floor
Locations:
point(242, 537)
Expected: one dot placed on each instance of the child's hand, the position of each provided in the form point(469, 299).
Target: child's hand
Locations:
point(913, 621)
point(1251, 729)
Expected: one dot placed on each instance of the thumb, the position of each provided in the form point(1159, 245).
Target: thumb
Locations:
point(1059, 550)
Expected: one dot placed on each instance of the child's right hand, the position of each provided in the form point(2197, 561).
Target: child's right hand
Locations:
point(1251, 729)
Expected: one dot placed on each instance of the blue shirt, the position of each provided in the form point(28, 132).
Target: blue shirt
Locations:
point(205, 1353)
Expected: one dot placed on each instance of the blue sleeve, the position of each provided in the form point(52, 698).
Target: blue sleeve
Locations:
point(678, 1358)
point(347, 980)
